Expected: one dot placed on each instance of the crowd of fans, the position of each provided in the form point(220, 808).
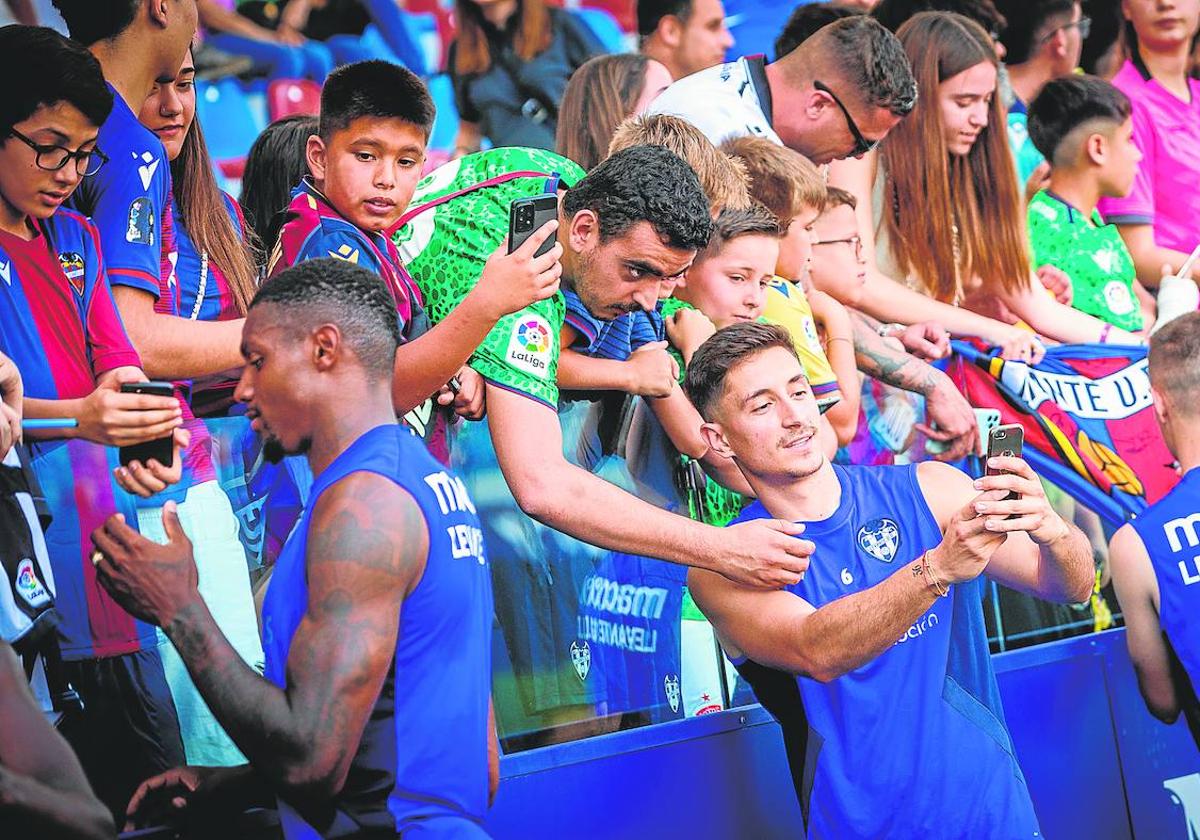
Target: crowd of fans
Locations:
point(903, 173)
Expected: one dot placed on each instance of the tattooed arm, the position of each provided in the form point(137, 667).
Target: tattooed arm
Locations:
point(944, 405)
point(366, 551)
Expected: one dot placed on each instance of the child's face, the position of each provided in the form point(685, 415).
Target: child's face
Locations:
point(795, 249)
point(29, 190)
point(1121, 166)
point(171, 107)
point(369, 170)
point(731, 287)
point(838, 267)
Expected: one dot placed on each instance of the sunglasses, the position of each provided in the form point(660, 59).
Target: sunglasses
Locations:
point(861, 144)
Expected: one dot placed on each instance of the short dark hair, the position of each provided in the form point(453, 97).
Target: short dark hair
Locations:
point(1065, 104)
point(869, 59)
point(650, 184)
point(805, 21)
point(355, 299)
point(735, 222)
point(1175, 362)
point(374, 89)
point(650, 12)
point(42, 68)
point(704, 383)
point(1027, 24)
point(893, 13)
point(92, 21)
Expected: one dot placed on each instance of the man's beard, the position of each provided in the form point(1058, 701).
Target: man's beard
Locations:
point(600, 309)
point(273, 450)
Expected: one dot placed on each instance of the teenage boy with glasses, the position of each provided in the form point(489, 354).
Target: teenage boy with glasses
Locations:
point(1044, 39)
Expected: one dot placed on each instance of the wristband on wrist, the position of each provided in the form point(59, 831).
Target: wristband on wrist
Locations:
point(940, 588)
point(1104, 331)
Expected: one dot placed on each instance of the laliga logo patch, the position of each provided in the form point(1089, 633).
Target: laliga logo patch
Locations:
point(72, 266)
point(581, 658)
point(139, 230)
point(671, 687)
point(529, 345)
point(29, 587)
point(880, 538)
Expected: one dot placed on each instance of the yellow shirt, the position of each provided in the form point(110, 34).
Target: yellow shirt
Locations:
point(787, 307)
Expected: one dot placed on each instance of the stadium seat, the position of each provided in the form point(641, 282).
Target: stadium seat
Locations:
point(606, 29)
point(754, 25)
point(230, 124)
point(445, 125)
point(286, 97)
point(623, 11)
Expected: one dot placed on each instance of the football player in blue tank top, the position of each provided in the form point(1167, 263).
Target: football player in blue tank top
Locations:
point(907, 737)
point(1156, 558)
point(373, 716)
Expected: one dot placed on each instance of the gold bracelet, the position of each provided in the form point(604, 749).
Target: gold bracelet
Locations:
point(938, 587)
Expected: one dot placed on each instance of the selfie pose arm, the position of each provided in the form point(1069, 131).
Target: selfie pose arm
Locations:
point(528, 443)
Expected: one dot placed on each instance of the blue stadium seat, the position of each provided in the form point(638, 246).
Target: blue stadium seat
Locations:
point(606, 29)
point(755, 24)
point(445, 126)
point(231, 123)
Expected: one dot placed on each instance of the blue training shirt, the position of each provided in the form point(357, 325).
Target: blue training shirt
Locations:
point(1170, 530)
point(913, 743)
point(422, 761)
point(128, 199)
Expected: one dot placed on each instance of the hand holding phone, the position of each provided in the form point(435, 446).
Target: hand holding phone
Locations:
point(160, 448)
point(527, 270)
point(1007, 441)
point(528, 215)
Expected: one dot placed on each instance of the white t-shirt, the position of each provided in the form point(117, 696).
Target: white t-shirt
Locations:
point(722, 101)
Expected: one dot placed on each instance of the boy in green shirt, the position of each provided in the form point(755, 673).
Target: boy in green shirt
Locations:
point(1082, 125)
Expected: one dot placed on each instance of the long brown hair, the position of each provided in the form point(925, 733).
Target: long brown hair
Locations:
point(200, 209)
point(929, 190)
point(601, 93)
point(472, 55)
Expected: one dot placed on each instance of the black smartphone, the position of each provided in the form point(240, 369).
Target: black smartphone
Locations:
point(526, 215)
point(162, 449)
point(1006, 441)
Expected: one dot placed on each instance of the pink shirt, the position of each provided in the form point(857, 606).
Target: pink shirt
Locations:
point(1166, 192)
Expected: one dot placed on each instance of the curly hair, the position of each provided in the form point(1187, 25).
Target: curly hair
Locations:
point(645, 183)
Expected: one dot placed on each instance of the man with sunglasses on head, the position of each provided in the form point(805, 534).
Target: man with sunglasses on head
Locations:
point(1043, 40)
point(835, 96)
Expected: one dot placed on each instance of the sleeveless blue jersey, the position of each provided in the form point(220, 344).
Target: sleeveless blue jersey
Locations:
point(1170, 530)
point(913, 743)
point(422, 761)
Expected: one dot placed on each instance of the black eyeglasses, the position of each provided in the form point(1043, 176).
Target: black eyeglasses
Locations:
point(1084, 24)
point(861, 144)
point(854, 242)
point(52, 158)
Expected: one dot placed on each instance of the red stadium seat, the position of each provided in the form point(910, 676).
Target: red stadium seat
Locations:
point(625, 11)
point(286, 97)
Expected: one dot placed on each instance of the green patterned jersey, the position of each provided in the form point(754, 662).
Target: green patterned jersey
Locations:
point(1092, 254)
point(711, 503)
point(458, 218)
